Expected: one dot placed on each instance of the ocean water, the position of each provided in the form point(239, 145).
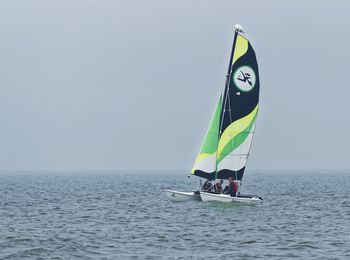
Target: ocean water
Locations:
point(127, 216)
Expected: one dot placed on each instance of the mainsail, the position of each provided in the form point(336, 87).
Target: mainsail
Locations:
point(226, 146)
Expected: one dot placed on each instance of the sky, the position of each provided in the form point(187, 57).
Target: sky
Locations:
point(131, 85)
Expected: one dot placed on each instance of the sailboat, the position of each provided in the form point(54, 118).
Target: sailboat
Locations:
point(226, 146)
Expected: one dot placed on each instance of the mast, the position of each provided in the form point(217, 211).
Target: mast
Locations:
point(231, 57)
point(238, 28)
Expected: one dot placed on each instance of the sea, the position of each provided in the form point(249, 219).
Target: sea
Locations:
point(126, 215)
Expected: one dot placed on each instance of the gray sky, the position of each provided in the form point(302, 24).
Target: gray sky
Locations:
point(114, 85)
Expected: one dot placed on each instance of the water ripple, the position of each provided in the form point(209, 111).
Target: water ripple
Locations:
point(123, 217)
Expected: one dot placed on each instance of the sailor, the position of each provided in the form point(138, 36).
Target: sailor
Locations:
point(225, 191)
point(207, 186)
point(232, 187)
point(218, 186)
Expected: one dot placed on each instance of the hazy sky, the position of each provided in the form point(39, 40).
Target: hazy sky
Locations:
point(113, 85)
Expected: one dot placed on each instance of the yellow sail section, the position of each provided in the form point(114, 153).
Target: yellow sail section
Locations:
point(240, 48)
point(235, 128)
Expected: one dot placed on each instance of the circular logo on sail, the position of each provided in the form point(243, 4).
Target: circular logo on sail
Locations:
point(244, 78)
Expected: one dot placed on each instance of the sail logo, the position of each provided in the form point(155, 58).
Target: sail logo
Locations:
point(244, 78)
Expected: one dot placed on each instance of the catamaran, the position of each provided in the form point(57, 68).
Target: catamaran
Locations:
point(226, 146)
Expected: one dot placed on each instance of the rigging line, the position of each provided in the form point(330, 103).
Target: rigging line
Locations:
point(225, 97)
point(227, 87)
point(229, 107)
point(218, 135)
point(251, 141)
point(228, 81)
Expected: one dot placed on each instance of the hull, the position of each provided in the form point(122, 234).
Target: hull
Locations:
point(181, 196)
point(205, 196)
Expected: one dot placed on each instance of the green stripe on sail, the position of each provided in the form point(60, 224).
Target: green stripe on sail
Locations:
point(236, 141)
point(210, 143)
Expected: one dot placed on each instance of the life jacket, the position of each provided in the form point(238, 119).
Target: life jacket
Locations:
point(235, 188)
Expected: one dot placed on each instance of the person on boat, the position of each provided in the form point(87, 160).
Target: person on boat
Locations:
point(225, 191)
point(232, 187)
point(207, 186)
point(218, 186)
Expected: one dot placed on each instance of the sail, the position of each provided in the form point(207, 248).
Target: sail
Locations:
point(240, 107)
point(205, 164)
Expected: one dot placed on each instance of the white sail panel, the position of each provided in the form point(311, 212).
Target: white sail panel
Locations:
point(237, 159)
point(206, 163)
